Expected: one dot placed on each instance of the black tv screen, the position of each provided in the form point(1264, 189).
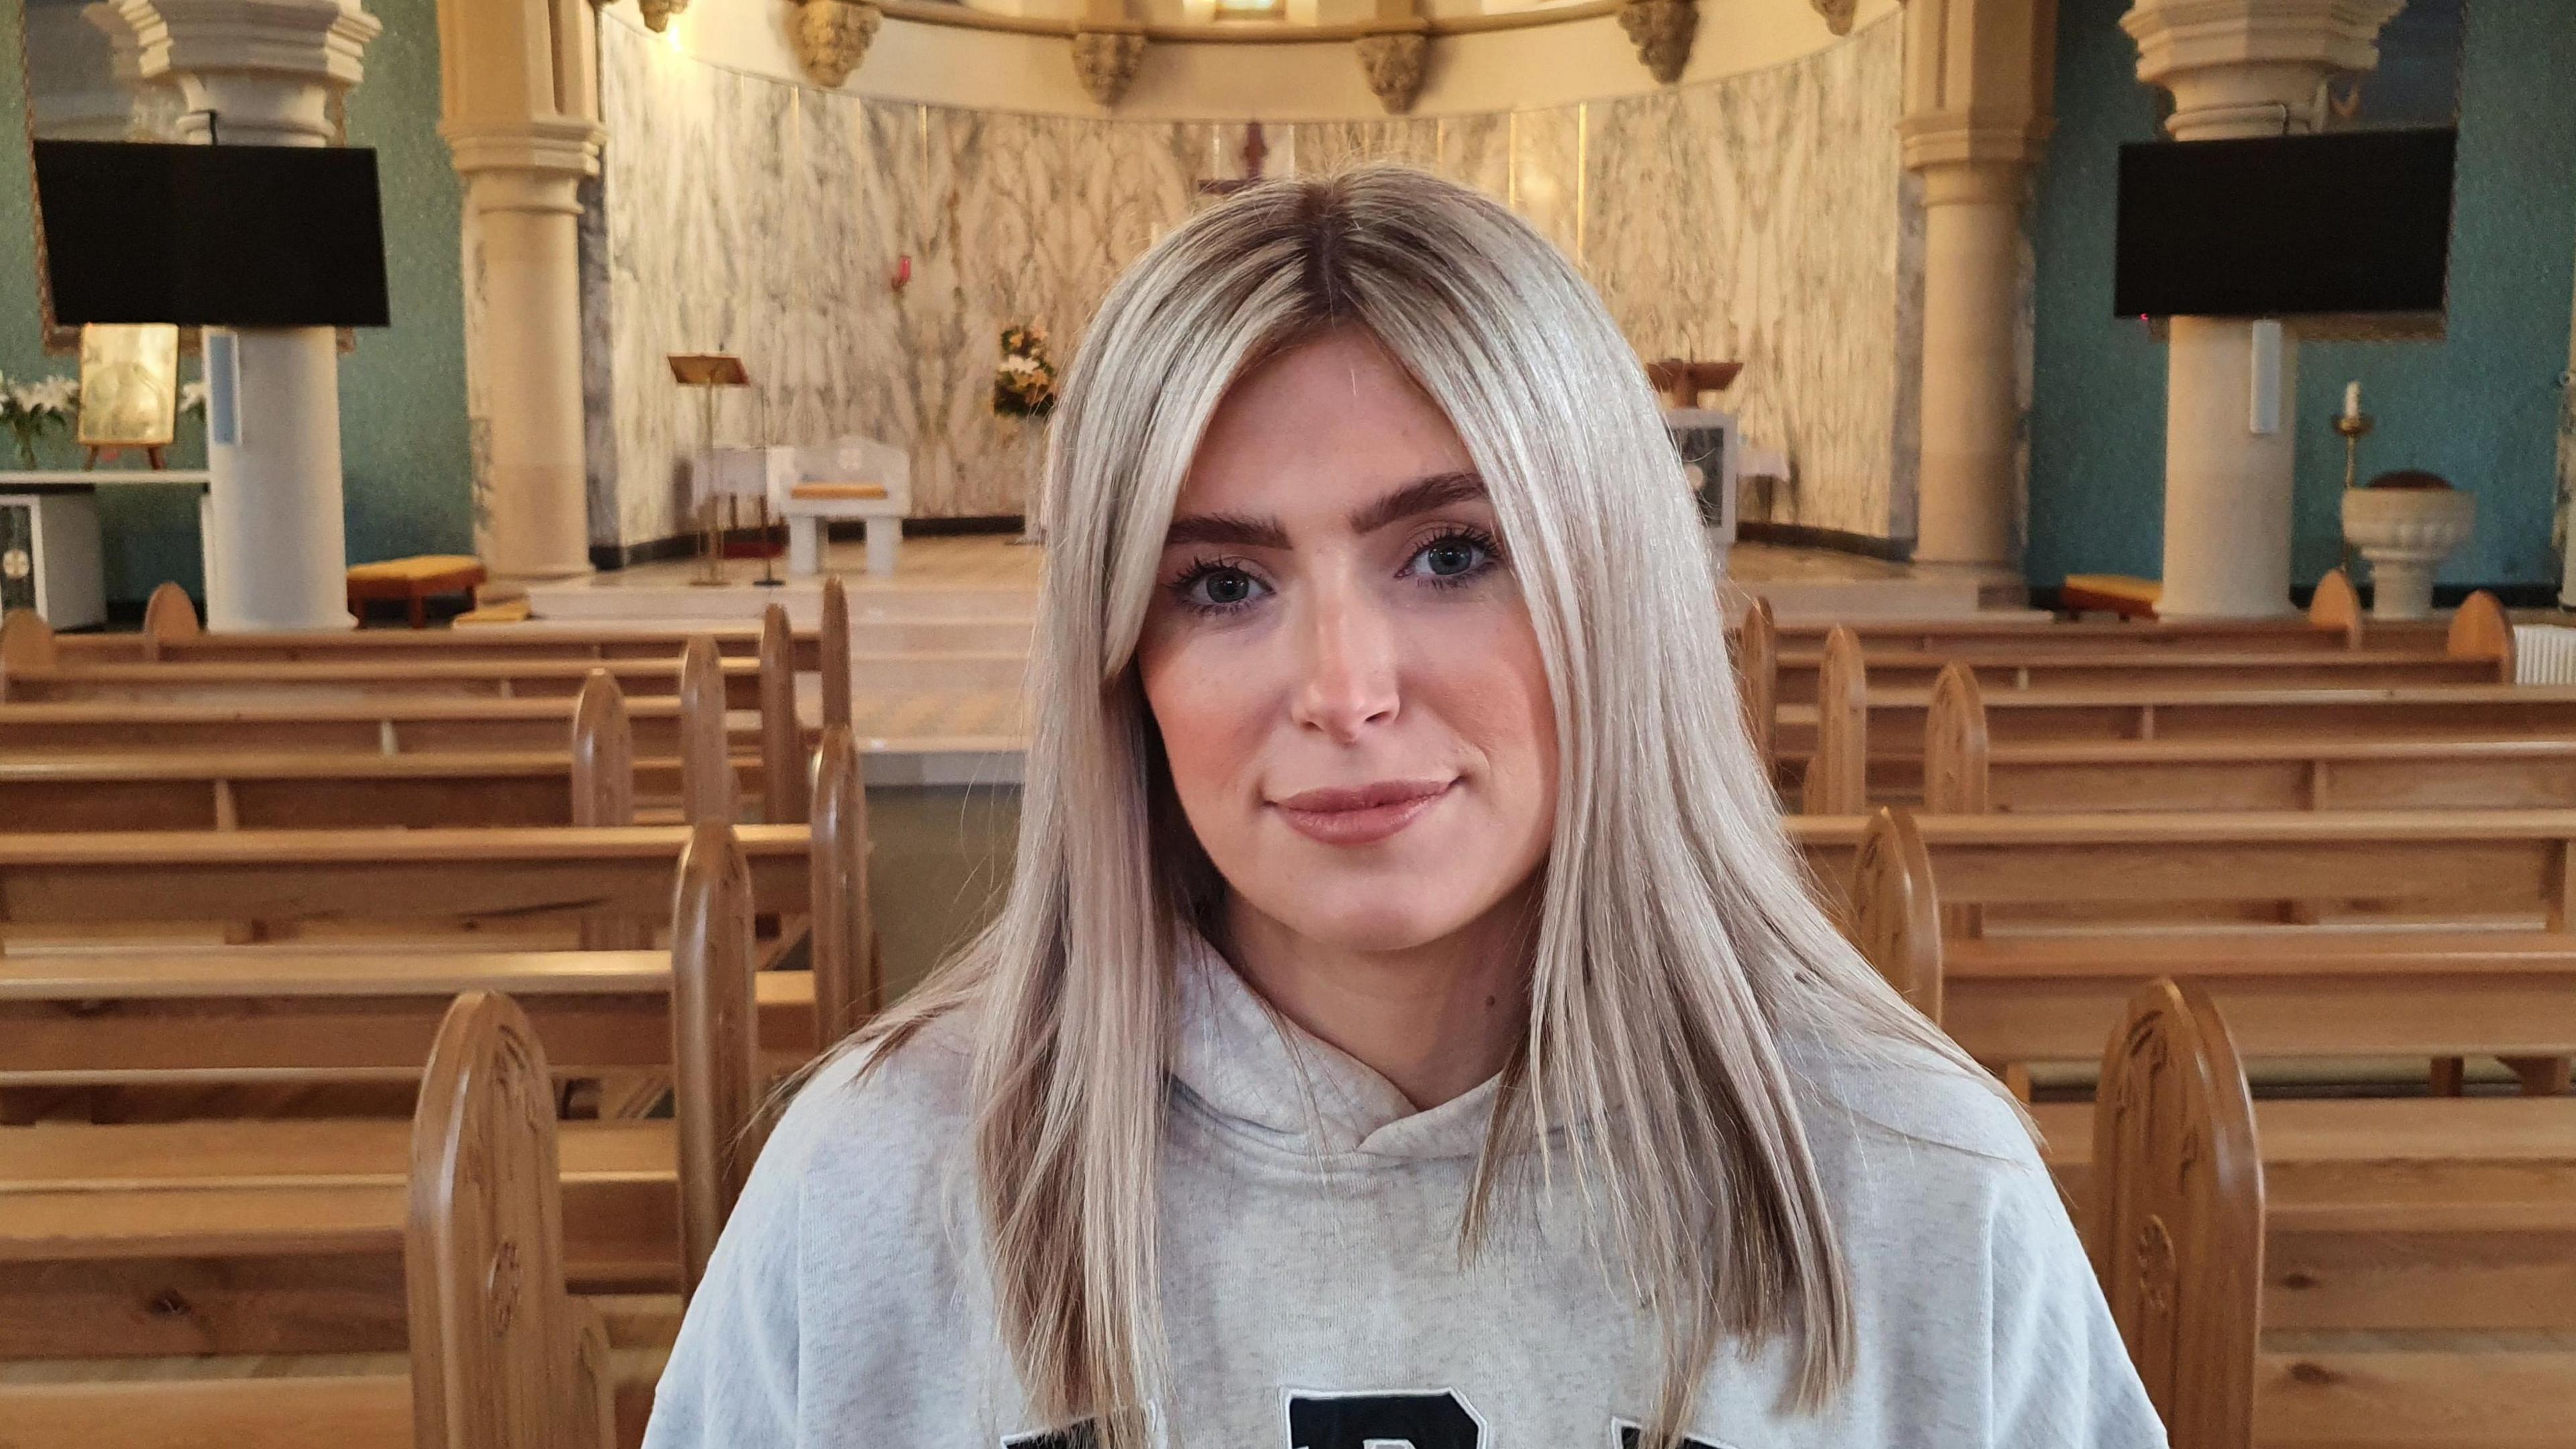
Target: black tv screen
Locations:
point(2351, 222)
point(218, 236)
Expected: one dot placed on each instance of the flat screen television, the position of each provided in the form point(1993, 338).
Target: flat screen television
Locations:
point(2348, 223)
point(217, 236)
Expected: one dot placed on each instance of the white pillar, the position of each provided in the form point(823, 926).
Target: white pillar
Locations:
point(2227, 488)
point(1968, 512)
point(523, 274)
point(2237, 68)
point(264, 72)
point(520, 111)
point(1977, 95)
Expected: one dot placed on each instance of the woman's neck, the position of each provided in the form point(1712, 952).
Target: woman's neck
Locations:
point(1435, 1019)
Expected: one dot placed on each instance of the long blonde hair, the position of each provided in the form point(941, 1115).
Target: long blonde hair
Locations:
point(1678, 946)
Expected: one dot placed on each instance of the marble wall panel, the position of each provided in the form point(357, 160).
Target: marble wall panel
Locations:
point(1763, 217)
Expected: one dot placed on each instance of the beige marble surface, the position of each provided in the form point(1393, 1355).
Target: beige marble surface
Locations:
point(1762, 217)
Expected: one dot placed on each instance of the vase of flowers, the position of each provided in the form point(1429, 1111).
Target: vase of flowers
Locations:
point(1024, 380)
point(32, 409)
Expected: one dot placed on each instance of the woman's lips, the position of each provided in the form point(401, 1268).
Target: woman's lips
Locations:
point(1363, 816)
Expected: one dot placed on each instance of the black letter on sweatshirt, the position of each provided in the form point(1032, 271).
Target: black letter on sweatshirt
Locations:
point(1358, 1421)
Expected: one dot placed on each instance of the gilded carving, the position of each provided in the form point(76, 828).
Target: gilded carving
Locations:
point(831, 37)
point(658, 13)
point(1394, 62)
point(1662, 31)
point(1837, 13)
point(1106, 60)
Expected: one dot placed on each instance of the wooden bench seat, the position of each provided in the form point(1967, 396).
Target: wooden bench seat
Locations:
point(2023, 935)
point(172, 633)
point(2349, 1272)
point(2334, 621)
point(272, 1202)
point(1860, 741)
point(2288, 992)
point(2123, 667)
point(494, 1352)
point(237, 1014)
point(1966, 772)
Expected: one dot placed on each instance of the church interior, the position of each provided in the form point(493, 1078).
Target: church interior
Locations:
point(482, 705)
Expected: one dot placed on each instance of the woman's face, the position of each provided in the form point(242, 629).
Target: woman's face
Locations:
point(1339, 660)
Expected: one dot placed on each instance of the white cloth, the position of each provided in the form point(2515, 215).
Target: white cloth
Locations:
point(1309, 1242)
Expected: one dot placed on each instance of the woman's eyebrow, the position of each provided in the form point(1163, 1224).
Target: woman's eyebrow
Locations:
point(1233, 528)
point(1424, 495)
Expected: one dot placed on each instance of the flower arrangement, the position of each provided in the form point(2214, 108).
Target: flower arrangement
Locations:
point(31, 409)
point(1024, 382)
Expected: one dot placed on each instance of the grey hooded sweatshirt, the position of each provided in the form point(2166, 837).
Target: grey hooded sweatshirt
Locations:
point(1313, 1291)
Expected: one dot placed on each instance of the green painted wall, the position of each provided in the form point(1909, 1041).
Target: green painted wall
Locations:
point(2480, 407)
point(403, 447)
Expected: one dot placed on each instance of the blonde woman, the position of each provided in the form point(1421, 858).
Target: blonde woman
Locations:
point(1407, 1025)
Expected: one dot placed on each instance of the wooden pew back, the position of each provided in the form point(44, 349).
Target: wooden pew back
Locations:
point(1966, 772)
point(2177, 1214)
point(1854, 723)
point(497, 1347)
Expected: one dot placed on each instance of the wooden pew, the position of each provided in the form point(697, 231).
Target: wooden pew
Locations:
point(500, 1355)
point(287, 762)
point(2477, 649)
point(1884, 729)
point(2334, 621)
point(172, 634)
point(278, 1234)
point(2388, 932)
point(1965, 772)
point(2348, 1272)
point(32, 669)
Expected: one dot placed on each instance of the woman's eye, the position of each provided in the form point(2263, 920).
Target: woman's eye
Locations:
point(1220, 588)
point(1449, 558)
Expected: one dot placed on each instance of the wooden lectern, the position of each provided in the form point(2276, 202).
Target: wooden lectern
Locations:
point(709, 371)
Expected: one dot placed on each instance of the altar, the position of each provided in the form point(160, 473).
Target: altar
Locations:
point(50, 554)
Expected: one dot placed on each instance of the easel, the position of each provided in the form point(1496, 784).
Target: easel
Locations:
point(709, 371)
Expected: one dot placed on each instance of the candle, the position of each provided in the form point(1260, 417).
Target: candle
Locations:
point(2352, 399)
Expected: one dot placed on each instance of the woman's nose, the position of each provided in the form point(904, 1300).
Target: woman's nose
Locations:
point(1349, 673)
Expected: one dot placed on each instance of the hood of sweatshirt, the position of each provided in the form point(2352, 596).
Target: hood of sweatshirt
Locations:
point(1246, 1065)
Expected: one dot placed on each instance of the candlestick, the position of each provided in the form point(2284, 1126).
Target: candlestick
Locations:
point(2352, 400)
point(2354, 425)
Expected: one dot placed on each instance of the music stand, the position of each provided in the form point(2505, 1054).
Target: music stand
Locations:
point(709, 371)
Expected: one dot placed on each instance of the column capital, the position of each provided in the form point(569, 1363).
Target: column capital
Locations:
point(268, 69)
point(2251, 67)
point(562, 147)
point(1978, 78)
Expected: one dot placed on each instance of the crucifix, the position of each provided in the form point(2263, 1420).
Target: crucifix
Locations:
point(1254, 149)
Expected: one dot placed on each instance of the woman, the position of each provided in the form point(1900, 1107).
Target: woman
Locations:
point(1407, 1025)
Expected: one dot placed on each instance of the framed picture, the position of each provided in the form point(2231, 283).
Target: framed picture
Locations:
point(129, 395)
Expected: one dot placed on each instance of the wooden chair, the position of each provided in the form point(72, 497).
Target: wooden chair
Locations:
point(2353, 1272)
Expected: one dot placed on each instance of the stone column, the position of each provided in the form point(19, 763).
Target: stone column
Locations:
point(522, 125)
point(265, 72)
point(2237, 68)
point(1976, 112)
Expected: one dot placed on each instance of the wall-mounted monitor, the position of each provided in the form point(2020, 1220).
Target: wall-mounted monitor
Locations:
point(216, 236)
point(2353, 223)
